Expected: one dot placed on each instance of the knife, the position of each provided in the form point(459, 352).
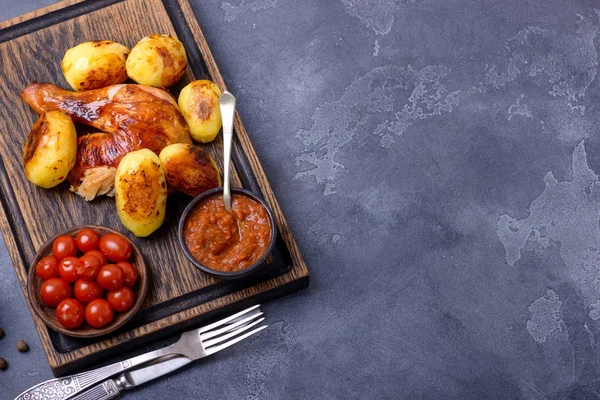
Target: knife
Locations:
point(111, 388)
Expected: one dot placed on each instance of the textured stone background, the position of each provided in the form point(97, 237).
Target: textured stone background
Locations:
point(438, 161)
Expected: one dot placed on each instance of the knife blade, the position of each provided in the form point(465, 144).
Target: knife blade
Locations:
point(111, 388)
point(152, 371)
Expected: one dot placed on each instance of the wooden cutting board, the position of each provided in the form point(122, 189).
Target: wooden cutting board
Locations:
point(180, 296)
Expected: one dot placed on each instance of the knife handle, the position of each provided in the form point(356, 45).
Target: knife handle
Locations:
point(68, 386)
point(104, 391)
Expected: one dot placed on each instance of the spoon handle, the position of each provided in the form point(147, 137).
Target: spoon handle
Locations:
point(227, 105)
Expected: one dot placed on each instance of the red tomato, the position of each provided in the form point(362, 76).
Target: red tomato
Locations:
point(99, 313)
point(111, 277)
point(115, 247)
point(68, 269)
point(130, 273)
point(64, 246)
point(70, 313)
point(54, 291)
point(47, 268)
point(88, 267)
point(87, 240)
point(98, 253)
point(87, 291)
point(121, 299)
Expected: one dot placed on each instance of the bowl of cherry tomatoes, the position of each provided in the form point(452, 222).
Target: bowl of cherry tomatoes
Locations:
point(87, 281)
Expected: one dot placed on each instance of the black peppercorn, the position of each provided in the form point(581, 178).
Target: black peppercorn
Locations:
point(22, 346)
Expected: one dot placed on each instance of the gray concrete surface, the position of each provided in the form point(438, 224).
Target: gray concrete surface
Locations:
point(438, 161)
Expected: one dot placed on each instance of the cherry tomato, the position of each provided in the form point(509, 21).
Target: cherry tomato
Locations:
point(64, 246)
point(115, 247)
point(129, 272)
point(88, 267)
point(68, 269)
point(87, 291)
point(121, 299)
point(98, 253)
point(47, 268)
point(87, 240)
point(99, 313)
point(54, 291)
point(111, 277)
point(70, 313)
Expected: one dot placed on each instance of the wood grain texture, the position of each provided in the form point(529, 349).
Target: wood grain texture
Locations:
point(30, 215)
point(38, 13)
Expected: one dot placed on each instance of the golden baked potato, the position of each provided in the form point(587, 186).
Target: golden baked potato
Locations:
point(51, 149)
point(199, 104)
point(94, 65)
point(157, 60)
point(141, 192)
point(189, 169)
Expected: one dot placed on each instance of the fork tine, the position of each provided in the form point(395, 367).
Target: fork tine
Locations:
point(211, 334)
point(226, 320)
point(236, 332)
point(220, 347)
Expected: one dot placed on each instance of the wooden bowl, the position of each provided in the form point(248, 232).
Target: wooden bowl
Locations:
point(47, 314)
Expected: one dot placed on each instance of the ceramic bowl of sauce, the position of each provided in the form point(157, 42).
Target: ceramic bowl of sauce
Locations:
point(225, 244)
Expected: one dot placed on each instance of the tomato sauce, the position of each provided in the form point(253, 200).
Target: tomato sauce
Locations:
point(212, 234)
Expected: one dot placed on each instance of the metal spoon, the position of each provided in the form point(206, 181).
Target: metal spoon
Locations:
point(227, 105)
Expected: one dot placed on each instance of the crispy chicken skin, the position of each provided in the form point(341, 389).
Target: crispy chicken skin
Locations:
point(131, 117)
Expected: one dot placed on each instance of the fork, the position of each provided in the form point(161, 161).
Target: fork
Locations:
point(194, 344)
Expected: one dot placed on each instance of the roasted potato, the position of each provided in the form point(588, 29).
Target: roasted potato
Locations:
point(199, 104)
point(189, 169)
point(157, 60)
point(141, 192)
point(94, 65)
point(51, 149)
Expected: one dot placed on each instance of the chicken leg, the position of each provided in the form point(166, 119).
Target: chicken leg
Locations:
point(130, 116)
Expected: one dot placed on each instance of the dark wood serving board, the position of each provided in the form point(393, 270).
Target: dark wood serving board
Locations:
point(180, 296)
